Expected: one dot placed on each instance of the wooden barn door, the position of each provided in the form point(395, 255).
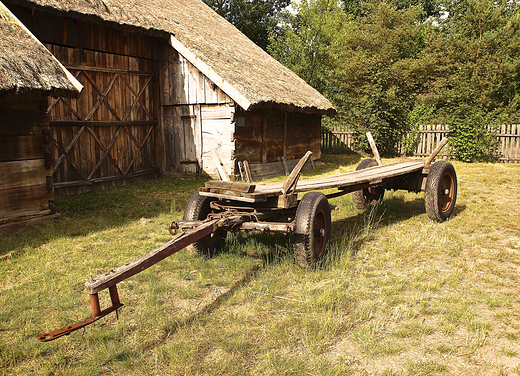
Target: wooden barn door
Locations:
point(108, 135)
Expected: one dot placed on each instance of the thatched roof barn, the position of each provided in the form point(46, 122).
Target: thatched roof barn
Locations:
point(258, 79)
point(28, 73)
point(26, 66)
point(169, 86)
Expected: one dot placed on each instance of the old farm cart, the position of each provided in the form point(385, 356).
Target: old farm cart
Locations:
point(221, 207)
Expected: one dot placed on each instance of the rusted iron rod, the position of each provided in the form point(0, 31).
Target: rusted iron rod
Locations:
point(97, 313)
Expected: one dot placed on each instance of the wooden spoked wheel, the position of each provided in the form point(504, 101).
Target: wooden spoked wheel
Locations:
point(370, 195)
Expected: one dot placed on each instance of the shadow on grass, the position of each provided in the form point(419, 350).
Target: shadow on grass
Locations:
point(103, 210)
point(119, 206)
point(390, 211)
point(351, 232)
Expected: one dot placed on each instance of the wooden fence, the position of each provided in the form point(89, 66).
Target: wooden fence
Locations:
point(337, 140)
point(508, 138)
point(341, 140)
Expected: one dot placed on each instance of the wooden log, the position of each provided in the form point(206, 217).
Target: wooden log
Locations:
point(12, 224)
point(20, 200)
point(16, 148)
point(23, 173)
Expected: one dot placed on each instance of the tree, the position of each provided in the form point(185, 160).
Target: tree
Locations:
point(255, 18)
point(478, 46)
point(388, 65)
point(368, 66)
point(383, 72)
point(309, 42)
point(358, 8)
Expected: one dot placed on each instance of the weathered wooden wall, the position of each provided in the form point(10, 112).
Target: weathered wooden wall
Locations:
point(109, 135)
point(303, 134)
point(263, 136)
point(218, 128)
point(25, 173)
point(197, 118)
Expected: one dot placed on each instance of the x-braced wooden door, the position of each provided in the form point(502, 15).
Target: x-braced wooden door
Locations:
point(108, 134)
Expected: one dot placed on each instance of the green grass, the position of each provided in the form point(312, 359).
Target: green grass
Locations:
point(396, 295)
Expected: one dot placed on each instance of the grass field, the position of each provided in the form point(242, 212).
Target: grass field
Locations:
point(397, 294)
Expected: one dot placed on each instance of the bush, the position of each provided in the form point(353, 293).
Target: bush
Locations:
point(473, 135)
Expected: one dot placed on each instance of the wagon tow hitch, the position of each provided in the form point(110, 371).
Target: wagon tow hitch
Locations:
point(109, 280)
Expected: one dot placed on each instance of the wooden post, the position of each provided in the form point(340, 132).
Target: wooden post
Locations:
point(374, 148)
point(435, 152)
point(220, 167)
point(295, 174)
point(248, 172)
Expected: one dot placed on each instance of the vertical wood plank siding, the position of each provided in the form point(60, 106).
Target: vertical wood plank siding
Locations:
point(108, 135)
point(509, 143)
point(341, 140)
point(197, 118)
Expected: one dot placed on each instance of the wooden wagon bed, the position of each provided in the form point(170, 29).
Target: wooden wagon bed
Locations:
point(349, 181)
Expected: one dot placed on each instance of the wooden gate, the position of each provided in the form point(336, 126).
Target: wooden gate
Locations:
point(106, 136)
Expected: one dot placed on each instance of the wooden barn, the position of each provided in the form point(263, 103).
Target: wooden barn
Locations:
point(29, 74)
point(169, 85)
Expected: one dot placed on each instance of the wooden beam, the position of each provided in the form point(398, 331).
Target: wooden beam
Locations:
point(247, 171)
point(295, 174)
point(220, 167)
point(80, 123)
point(437, 150)
point(231, 186)
point(374, 148)
point(120, 274)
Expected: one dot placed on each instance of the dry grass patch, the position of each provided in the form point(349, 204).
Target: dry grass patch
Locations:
point(397, 295)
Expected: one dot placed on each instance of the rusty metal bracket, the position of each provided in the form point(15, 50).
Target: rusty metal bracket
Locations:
point(96, 315)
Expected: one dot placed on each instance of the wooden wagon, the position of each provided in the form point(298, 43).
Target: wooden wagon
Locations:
point(221, 207)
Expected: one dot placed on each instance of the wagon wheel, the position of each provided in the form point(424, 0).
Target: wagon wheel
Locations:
point(370, 195)
point(197, 209)
point(313, 225)
point(441, 191)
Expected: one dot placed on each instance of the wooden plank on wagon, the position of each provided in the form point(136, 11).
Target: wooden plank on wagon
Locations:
point(231, 186)
point(222, 196)
point(374, 148)
point(293, 177)
point(350, 178)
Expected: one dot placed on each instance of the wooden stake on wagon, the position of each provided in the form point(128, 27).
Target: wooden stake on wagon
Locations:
point(374, 148)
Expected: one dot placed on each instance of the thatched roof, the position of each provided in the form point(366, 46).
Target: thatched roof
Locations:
point(26, 66)
point(225, 50)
